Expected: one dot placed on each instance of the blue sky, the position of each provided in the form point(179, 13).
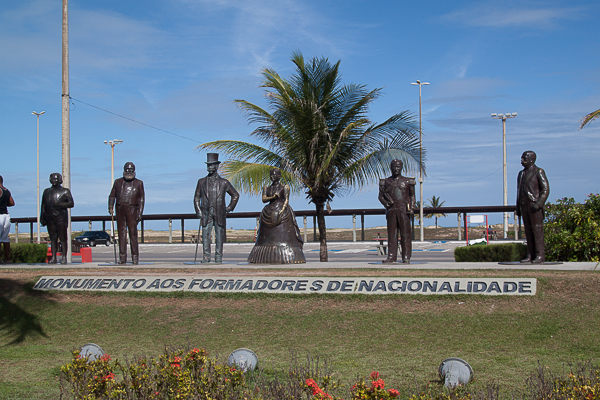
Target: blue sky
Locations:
point(176, 66)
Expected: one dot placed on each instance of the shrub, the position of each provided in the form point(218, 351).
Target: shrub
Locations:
point(28, 253)
point(177, 374)
point(572, 230)
point(373, 391)
point(582, 382)
point(493, 253)
point(191, 374)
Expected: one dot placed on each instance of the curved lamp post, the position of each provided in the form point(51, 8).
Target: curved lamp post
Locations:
point(38, 171)
point(112, 144)
point(503, 117)
point(419, 83)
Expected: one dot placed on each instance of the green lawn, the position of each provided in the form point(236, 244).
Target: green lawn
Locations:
point(404, 337)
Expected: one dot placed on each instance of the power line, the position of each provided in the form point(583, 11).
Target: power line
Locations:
point(137, 122)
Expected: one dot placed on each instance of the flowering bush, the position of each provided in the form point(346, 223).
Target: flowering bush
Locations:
point(576, 387)
point(317, 392)
point(373, 391)
point(177, 374)
point(582, 383)
point(90, 380)
point(572, 230)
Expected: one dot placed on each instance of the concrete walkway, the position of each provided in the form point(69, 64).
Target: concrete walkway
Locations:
point(428, 255)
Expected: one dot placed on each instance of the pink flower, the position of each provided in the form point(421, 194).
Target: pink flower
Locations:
point(374, 375)
point(394, 393)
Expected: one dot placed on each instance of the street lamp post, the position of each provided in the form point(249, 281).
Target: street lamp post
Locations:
point(38, 171)
point(420, 84)
point(503, 117)
point(112, 144)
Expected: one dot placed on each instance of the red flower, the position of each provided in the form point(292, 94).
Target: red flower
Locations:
point(378, 384)
point(394, 393)
point(374, 375)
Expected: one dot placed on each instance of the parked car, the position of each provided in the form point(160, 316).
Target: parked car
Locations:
point(91, 238)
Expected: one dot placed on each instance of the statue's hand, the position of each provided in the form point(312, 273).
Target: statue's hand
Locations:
point(199, 215)
point(228, 209)
point(139, 218)
point(110, 210)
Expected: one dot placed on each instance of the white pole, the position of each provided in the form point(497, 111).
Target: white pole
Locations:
point(503, 117)
point(112, 144)
point(66, 141)
point(38, 172)
point(505, 224)
point(421, 205)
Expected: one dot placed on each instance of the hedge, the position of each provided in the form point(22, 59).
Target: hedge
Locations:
point(492, 253)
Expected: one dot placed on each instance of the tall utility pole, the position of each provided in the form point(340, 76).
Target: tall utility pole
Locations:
point(66, 141)
point(503, 117)
point(112, 144)
point(420, 84)
point(38, 171)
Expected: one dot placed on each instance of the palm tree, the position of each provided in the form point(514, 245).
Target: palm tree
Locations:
point(435, 203)
point(319, 136)
point(589, 118)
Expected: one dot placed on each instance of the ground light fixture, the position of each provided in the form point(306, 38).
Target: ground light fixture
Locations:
point(245, 359)
point(455, 372)
point(92, 351)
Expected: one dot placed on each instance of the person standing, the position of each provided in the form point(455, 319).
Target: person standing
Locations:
point(397, 194)
point(532, 192)
point(209, 203)
point(128, 194)
point(6, 201)
point(56, 201)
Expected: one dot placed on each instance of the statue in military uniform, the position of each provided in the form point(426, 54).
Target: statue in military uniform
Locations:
point(397, 194)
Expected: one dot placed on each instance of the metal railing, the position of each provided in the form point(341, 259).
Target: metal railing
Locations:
point(464, 211)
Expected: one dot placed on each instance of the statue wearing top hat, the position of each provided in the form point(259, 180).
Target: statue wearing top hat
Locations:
point(209, 202)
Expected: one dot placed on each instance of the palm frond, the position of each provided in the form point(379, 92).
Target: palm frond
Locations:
point(589, 118)
point(244, 151)
point(251, 177)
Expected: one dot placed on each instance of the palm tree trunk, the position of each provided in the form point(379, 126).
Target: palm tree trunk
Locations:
point(322, 231)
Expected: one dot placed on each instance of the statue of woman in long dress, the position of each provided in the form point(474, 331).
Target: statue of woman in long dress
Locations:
point(278, 238)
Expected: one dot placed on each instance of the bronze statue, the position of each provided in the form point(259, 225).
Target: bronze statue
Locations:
point(532, 192)
point(397, 194)
point(56, 201)
point(6, 201)
point(128, 193)
point(209, 202)
point(278, 238)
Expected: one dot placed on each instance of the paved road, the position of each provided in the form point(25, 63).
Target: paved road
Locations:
point(238, 252)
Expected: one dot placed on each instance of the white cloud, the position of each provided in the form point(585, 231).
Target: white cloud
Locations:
point(493, 15)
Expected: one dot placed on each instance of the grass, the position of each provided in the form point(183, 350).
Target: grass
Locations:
point(404, 337)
